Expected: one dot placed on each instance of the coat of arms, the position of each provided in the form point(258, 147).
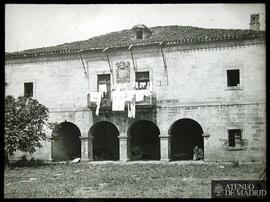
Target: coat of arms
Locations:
point(122, 72)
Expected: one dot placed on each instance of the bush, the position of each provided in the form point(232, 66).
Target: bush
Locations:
point(24, 121)
point(24, 162)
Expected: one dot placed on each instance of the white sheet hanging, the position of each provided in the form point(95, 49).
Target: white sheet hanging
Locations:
point(131, 109)
point(118, 101)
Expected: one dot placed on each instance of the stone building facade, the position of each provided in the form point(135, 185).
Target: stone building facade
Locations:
point(203, 87)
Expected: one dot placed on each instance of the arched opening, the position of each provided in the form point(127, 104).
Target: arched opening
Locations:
point(105, 142)
point(185, 135)
point(144, 141)
point(66, 142)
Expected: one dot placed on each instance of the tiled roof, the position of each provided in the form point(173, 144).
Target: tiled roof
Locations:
point(124, 38)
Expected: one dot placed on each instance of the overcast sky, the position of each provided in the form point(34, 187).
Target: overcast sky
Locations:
point(36, 25)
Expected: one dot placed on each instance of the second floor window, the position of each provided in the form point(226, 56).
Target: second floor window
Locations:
point(28, 89)
point(142, 80)
point(104, 84)
point(233, 77)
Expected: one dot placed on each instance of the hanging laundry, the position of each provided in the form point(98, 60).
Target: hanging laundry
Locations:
point(150, 87)
point(139, 95)
point(118, 102)
point(147, 93)
point(121, 86)
point(95, 96)
point(132, 108)
point(102, 88)
point(129, 95)
point(98, 104)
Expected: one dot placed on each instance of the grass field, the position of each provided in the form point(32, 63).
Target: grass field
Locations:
point(122, 180)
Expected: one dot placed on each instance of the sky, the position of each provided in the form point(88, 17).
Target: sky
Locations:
point(30, 26)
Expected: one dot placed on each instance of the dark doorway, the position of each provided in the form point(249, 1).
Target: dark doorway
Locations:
point(105, 142)
point(66, 142)
point(185, 135)
point(144, 142)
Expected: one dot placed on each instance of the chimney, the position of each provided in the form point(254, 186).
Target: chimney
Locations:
point(254, 22)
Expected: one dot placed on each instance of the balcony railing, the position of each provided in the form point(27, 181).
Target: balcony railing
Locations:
point(148, 98)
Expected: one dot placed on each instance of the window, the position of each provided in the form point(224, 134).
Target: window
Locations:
point(235, 137)
point(139, 34)
point(142, 80)
point(233, 77)
point(104, 85)
point(28, 89)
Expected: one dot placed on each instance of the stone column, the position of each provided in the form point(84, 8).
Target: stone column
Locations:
point(123, 148)
point(165, 148)
point(206, 146)
point(86, 153)
point(50, 141)
point(90, 148)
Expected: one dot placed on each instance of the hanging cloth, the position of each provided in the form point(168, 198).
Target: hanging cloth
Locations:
point(98, 103)
point(118, 102)
point(96, 98)
point(139, 95)
point(132, 108)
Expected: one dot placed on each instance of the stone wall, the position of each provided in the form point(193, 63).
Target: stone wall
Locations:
point(194, 86)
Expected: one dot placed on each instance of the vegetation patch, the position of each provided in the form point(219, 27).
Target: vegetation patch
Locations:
point(116, 180)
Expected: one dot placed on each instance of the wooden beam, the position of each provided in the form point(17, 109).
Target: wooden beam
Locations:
point(131, 53)
point(164, 61)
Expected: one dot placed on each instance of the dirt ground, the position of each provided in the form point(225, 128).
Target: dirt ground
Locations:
point(123, 180)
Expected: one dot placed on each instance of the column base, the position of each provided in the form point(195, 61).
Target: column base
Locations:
point(165, 160)
point(124, 160)
point(85, 160)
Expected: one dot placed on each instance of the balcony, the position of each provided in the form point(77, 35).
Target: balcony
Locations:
point(144, 99)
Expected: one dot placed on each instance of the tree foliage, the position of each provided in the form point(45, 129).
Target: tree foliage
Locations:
point(24, 124)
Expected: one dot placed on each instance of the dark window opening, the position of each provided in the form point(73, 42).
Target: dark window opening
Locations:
point(139, 34)
point(142, 80)
point(233, 78)
point(104, 85)
point(234, 137)
point(28, 89)
point(254, 17)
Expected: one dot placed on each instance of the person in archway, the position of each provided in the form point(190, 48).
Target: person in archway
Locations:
point(197, 153)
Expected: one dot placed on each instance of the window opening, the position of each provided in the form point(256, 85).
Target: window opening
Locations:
point(28, 89)
point(233, 77)
point(142, 80)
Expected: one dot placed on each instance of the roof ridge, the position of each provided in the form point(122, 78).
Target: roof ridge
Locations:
point(125, 37)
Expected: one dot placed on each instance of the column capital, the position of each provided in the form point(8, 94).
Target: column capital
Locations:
point(123, 137)
point(164, 136)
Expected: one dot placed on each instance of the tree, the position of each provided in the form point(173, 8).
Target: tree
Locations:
point(24, 121)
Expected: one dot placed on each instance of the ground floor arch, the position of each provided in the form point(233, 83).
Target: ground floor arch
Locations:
point(66, 142)
point(105, 141)
point(144, 141)
point(185, 135)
